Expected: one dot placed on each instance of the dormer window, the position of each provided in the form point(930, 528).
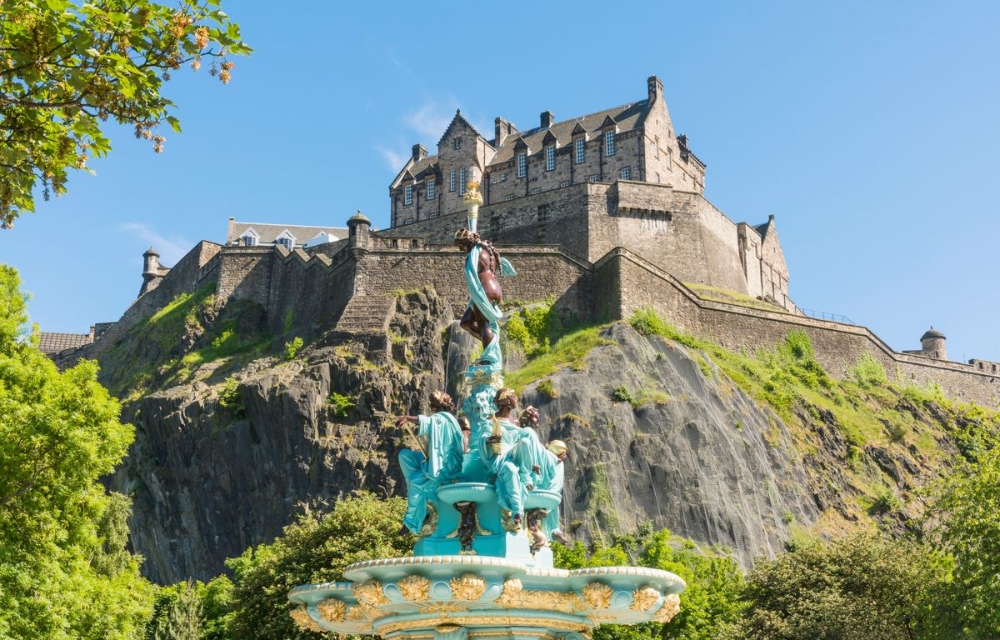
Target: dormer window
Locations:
point(461, 182)
point(522, 164)
point(285, 239)
point(431, 187)
point(249, 238)
point(452, 181)
point(408, 195)
point(550, 157)
point(609, 143)
point(579, 150)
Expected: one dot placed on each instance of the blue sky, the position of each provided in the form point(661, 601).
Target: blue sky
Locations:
point(869, 129)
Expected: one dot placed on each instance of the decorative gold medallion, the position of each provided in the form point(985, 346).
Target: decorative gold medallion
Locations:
point(468, 587)
point(370, 593)
point(644, 598)
point(304, 620)
point(671, 607)
point(415, 588)
point(332, 610)
point(597, 595)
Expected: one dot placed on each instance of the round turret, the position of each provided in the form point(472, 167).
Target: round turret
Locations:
point(933, 344)
point(358, 227)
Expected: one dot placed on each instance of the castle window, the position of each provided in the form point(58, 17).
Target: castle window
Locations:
point(408, 221)
point(578, 147)
point(461, 182)
point(408, 195)
point(522, 164)
point(451, 181)
point(543, 212)
point(670, 156)
point(285, 240)
point(626, 173)
point(249, 239)
point(503, 177)
point(493, 180)
point(564, 183)
point(509, 198)
point(656, 147)
point(456, 144)
point(592, 178)
point(535, 190)
point(431, 188)
point(550, 157)
point(609, 143)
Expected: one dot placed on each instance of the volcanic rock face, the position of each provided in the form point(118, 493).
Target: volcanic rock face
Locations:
point(691, 452)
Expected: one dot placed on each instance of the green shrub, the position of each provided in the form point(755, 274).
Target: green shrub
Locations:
point(340, 404)
point(547, 390)
point(292, 348)
point(230, 398)
point(622, 394)
point(869, 372)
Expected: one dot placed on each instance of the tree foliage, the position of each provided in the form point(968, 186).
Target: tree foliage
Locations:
point(315, 549)
point(67, 66)
point(864, 586)
point(969, 510)
point(64, 571)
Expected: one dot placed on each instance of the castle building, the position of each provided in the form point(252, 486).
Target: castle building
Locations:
point(618, 177)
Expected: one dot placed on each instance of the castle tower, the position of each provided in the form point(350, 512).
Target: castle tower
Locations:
point(933, 344)
point(358, 237)
point(151, 271)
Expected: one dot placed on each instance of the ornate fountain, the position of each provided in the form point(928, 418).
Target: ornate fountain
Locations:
point(484, 503)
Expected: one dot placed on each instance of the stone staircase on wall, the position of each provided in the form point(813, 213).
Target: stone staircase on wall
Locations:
point(366, 315)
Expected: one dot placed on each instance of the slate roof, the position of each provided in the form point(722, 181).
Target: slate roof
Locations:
point(267, 233)
point(932, 333)
point(49, 342)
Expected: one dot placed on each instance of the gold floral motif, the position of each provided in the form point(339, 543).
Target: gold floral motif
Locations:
point(362, 612)
point(671, 607)
point(468, 587)
point(644, 598)
point(370, 593)
point(515, 597)
point(302, 618)
point(332, 610)
point(444, 607)
point(555, 624)
point(511, 595)
point(415, 588)
point(597, 595)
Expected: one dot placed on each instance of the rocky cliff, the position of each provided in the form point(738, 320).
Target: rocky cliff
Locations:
point(230, 449)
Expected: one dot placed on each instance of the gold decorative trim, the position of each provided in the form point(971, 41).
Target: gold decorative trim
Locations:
point(468, 587)
point(444, 607)
point(415, 588)
point(332, 610)
point(671, 607)
point(644, 598)
point(361, 612)
point(302, 618)
point(370, 593)
point(597, 595)
point(556, 624)
point(515, 597)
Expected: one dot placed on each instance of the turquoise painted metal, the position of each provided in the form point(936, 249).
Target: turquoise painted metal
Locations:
point(482, 567)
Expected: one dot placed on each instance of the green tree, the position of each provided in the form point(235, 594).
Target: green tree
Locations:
point(315, 549)
point(969, 512)
point(178, 613)
point(67, 66)
point(64, 571)
point(865, 586)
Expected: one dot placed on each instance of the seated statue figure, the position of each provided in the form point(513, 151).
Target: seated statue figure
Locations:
point(496, 447)
point(541, 467)
point(438, 461)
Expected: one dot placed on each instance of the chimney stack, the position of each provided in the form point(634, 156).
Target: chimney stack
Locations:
point(419, 152)
point(547, 119)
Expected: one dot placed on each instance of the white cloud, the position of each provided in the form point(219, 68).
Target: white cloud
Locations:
point(393, 159)
point(170, 249)
point(431, 119)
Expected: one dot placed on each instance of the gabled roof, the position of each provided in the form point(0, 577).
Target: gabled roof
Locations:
point(459, 119)
point(49, 342)
point(625, 117)
point(268, 233)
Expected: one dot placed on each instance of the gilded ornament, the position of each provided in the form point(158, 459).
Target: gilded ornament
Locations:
point(332, 610)
point(597, 595)
point(362, 612)
point(415, 588)
point(444, 607)
point(671, 607)
point(644, 598)
point(370, 593)
point(511, 595)
point(468, 587)
point(302, 618)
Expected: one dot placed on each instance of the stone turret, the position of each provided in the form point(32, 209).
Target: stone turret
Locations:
point(152, 272)
point(358, 234)
point(932, 344)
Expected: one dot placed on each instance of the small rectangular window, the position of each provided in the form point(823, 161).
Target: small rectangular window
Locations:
point(408, 221)
point(550, 158)
point(503, 177)
point(461, 183)
point(509, 198)
point(431, 189)
point(408, 195)
point(493, 180)
point(578, 147)
point(592, 178)
point(451, 181)
point(522, 164)
point(536, 190)
point(609, 143)
point(626, 173)
point(564, 183)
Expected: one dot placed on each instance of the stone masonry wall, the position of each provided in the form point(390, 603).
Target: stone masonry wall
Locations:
point(837, 346)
